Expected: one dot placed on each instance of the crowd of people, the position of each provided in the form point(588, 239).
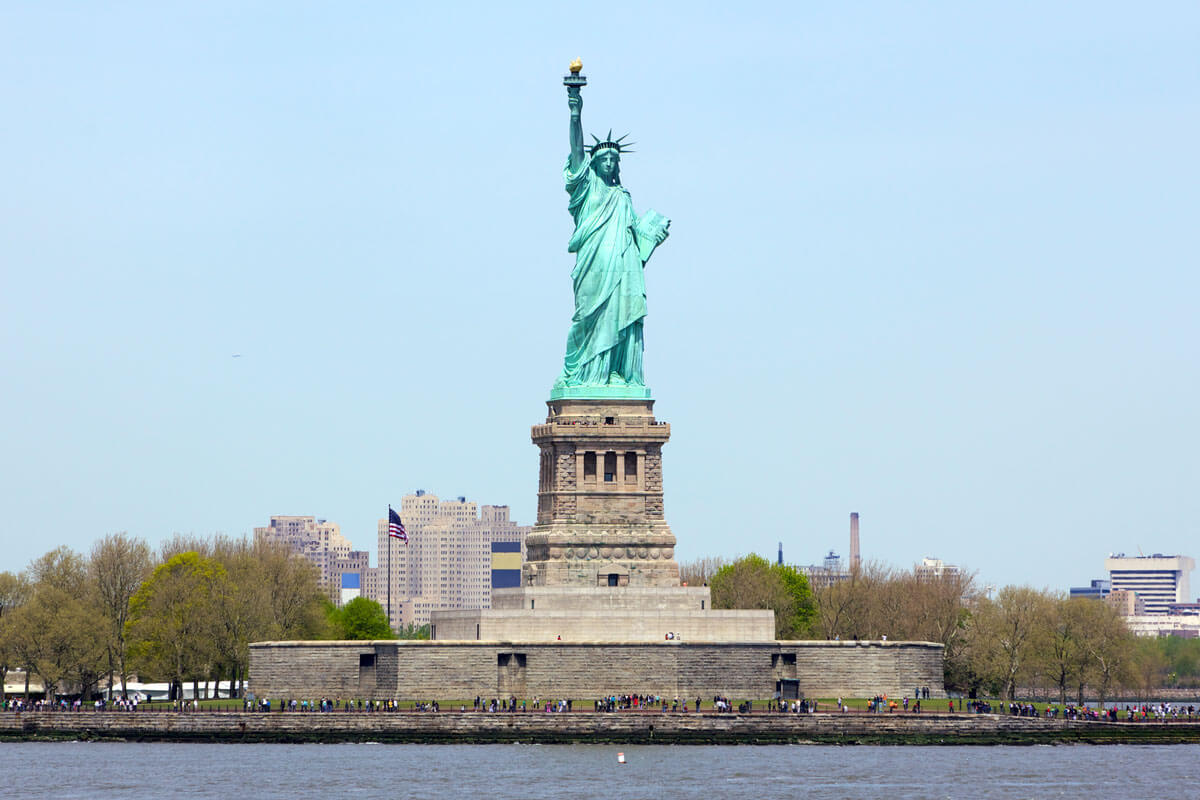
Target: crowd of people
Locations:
point(880, 703)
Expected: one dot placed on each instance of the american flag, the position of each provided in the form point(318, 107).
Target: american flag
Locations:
point(396, 527)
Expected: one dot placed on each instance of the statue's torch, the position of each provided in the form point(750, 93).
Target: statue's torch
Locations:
point(574, 81)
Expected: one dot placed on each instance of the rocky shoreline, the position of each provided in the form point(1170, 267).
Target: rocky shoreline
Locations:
point(584, 727)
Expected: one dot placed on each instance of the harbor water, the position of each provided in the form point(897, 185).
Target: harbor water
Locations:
point(35, 770)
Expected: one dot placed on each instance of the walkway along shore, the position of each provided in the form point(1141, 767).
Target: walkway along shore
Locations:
point(450, 727)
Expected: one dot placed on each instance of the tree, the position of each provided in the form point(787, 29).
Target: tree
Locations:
point(268, 592)
point(362, 619)
point(934, 608)
point(14, 593)
point(172, 618)
point(1108, 648)
point(1062, 646)
point(839, 607)
point(860, 606)
point(414, 631)
point(1006, 634)
point(1183, 659)
point(118, 565)
point(700, 571)
point(58, 633)
point(241, 609)
point(1149, 668)
point(753, 582)
point(290, 590)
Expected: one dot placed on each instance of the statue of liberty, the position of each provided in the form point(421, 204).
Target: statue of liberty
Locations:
point(611, 246)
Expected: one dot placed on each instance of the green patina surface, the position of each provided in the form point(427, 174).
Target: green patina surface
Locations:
point(611, 244)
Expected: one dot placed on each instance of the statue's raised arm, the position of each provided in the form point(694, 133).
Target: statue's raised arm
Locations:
point(575, 103)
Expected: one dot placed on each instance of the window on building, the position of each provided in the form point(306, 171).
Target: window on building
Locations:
point(589, 465)
point(610, 467)
point(631, 466)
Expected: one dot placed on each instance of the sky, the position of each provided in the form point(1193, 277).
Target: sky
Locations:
point(932, 262)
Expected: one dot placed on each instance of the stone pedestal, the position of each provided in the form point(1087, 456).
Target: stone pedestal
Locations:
point(600, 498)
point(600, 562)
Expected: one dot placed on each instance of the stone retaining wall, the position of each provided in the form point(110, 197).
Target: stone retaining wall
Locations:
point(407, 670)
point(617, 728)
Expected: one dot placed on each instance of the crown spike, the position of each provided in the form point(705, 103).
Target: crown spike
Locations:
point(609, 143)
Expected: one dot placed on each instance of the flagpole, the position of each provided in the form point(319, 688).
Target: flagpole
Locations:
point(389, 541)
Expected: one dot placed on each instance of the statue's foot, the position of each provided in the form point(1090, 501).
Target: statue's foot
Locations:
point(615, 379)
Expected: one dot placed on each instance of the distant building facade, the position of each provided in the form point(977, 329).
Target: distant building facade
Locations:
point(934, 569)
point(321, 542)
point(1127, 603)
point(447, 563)
point(827, 573)
point(1098, 590)
point(1158, 580)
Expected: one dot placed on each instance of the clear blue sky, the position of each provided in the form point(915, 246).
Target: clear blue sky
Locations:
point(932, 262)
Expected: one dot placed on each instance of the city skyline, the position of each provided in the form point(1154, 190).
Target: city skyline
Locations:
point(929, 265)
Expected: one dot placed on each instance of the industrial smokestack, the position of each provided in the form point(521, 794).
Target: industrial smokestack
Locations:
point(780, 562)
point(855, 555)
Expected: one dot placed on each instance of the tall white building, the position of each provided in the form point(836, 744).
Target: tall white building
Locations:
point(447, 562)
point(1157, 580)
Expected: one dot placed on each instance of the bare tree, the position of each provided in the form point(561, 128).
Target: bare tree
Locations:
point(859, 606)
point(1062, 645)
point(1007, 634)
point(58, 633)
point(118, 566)
point(180, 543)
point(292, 591)
point(700, 571)
point(1108, 646)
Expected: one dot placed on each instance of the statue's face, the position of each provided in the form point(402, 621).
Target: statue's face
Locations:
point(608, 166)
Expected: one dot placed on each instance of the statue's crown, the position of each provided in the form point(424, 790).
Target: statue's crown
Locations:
point(609, 143)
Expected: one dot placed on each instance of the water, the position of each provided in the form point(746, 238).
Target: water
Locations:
point(32, 771)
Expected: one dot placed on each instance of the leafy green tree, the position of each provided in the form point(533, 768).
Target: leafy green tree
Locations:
point(753, 582)
point(1183, 660)
point(363, 619)
point(414, 631)
point(173, 618)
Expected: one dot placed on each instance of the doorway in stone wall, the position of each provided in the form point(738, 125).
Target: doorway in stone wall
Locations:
point(788, 689)
point(366, 674)
point(510, 674)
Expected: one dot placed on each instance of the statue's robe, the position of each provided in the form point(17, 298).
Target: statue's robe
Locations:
point(611, 246)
